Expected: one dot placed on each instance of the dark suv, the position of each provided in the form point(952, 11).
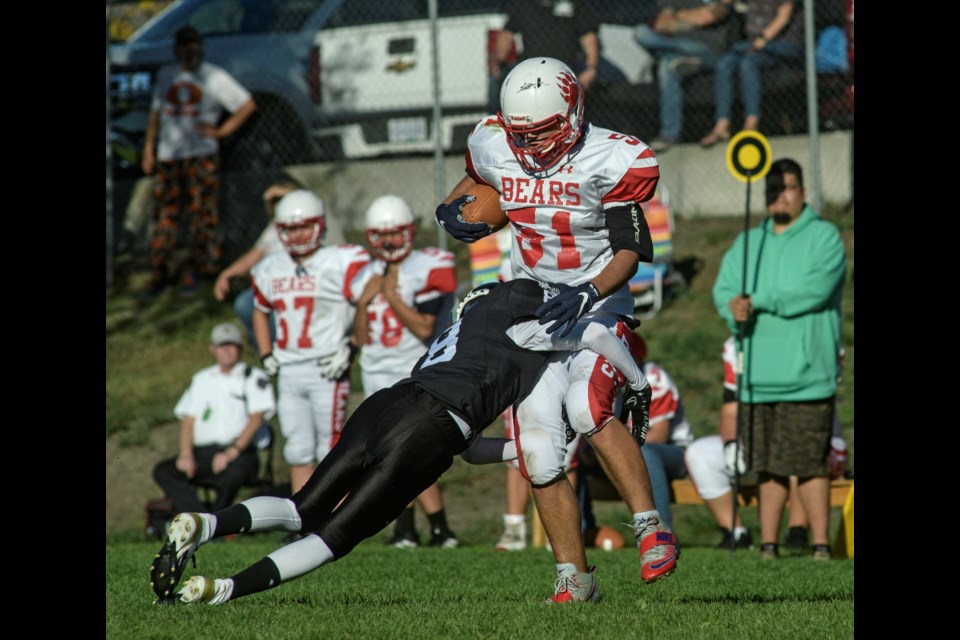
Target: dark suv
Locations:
point(264, 44)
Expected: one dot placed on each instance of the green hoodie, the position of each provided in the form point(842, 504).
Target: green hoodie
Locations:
point(795, 281)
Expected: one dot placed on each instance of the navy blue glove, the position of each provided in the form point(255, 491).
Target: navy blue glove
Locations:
point(568, 306)
point(450, 218)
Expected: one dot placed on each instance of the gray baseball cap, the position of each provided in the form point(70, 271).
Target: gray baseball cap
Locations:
point(226, 333)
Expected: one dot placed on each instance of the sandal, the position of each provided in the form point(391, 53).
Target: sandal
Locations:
point(713, 138)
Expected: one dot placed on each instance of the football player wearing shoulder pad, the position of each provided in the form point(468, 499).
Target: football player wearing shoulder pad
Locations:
point(390, 228)
point(586, 242)
point(305, 288)
point(300, 219)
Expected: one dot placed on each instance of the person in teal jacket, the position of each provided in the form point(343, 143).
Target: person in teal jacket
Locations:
point(787, 317)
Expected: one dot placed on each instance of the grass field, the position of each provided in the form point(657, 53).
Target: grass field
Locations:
point(379, 592)
point(470, 592)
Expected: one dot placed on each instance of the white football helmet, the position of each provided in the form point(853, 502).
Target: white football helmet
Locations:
point(296, 210)
point(541, 109)
point(388, 215)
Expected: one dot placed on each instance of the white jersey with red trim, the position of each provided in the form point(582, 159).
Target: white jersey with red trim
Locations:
point(424, 276)
point(665, 404)
point(730, 364)
point(310, 300)
point(559, 219)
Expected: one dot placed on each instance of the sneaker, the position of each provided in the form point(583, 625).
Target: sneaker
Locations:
point(769, 551)
point(404, 541)
point(821, 552)
point(796, 540)
point(686, 65)
point(661, 144)
point(206, 590)
point(514, 538)
point(444, 539)
point(659, 551)
point(567, 588)
point(744, 540)
point(183, 537)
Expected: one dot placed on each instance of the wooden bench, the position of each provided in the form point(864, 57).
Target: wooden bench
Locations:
point(683, 492)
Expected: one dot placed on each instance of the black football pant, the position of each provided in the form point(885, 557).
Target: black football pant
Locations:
point(183, 490)
point(395, 445)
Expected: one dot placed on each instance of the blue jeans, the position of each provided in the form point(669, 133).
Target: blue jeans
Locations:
point(749, 65)
point(664, 463)
point(666, 49)
point(243, 305)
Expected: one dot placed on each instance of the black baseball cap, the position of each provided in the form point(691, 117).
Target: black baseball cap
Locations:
point(186, 35)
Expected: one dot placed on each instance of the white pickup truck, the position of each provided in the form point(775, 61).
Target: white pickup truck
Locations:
point(343, 78)
point(374, 73)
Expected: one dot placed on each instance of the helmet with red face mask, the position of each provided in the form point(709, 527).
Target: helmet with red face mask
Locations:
point(386, 216)
point(298, 210)
point(541, 110)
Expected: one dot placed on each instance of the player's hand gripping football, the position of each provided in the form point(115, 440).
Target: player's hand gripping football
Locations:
point(568, 306)
point(449, 217)
point(334, 365)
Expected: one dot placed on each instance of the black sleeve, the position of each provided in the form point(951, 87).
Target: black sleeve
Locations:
point(628, 230)
point(587, 19)
point(729, 395)
point(431, 307)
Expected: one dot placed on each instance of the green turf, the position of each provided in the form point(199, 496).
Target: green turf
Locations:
point(473, 592)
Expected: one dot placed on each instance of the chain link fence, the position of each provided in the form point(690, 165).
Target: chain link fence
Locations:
point(351, 103)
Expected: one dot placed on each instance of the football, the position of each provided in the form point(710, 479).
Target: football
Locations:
point(608, 539)
point(486, 207)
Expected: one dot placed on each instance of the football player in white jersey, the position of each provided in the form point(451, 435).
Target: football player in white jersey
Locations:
point(307, 288)
point(398, 297)
point(572, 191)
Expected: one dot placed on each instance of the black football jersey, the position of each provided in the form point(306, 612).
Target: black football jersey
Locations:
point(473, 368)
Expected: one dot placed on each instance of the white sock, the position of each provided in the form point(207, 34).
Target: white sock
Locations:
point(208, 524)
point(300, 557)
point(646, 515)
point(222, 590)
point(514, 519)
point(272, 514)
point(739, 532)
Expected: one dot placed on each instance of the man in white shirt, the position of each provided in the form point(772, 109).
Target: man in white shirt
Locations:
point(220, 414)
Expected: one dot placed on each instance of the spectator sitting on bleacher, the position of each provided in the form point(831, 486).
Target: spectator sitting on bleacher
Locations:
point(687, 37)
point(707, 464)
point(774, 35)
point(220, 414)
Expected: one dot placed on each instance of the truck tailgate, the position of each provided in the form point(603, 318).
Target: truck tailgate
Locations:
point(389, 67)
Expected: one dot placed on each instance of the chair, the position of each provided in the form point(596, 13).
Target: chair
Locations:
point(652, 278)
point(487, 256)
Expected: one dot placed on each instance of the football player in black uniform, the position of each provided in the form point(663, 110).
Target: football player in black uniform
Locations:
point(396, 444)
